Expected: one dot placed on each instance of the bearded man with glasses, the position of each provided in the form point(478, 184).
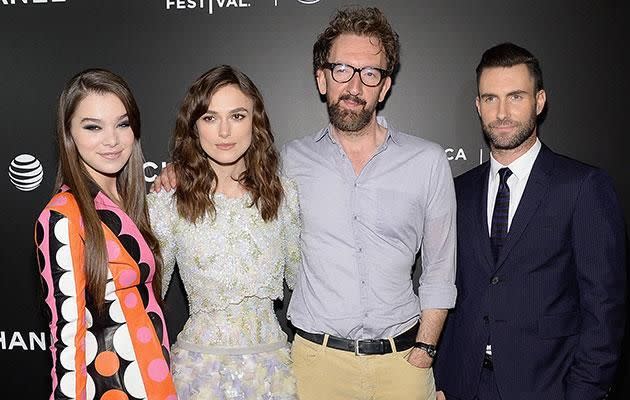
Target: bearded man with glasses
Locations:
point(371, 199)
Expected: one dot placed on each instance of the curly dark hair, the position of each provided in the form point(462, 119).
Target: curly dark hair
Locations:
point(196, 180)
point(362, 21)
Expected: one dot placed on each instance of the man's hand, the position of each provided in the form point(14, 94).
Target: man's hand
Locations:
point(440, 395)
point(419, 358)
point(167, 179)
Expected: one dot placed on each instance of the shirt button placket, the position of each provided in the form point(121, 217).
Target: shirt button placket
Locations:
point(363, 287)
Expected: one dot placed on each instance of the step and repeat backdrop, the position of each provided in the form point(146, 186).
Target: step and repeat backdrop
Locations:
point(161, 46)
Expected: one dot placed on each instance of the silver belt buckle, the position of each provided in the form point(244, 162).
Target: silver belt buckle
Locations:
point(356, 348)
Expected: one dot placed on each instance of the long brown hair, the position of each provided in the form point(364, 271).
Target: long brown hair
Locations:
point(196, 180)
point(129, 181)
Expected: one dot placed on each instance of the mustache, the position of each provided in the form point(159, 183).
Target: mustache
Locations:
point(352, 97)
point(502, 123)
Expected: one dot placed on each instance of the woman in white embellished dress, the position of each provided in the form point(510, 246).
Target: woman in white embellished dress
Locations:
point(232, 226)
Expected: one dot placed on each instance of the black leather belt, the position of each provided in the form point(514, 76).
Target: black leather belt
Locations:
point(364, 346)
point(487, 361)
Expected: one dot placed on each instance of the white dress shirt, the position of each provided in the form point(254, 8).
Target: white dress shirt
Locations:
point(521, 167)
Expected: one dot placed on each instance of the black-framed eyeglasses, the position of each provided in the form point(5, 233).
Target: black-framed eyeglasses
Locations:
point(342, 73)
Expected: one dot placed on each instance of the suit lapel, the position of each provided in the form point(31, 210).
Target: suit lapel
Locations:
point(536, 188)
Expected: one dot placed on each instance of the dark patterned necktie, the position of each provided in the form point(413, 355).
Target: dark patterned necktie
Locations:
point(499, 228)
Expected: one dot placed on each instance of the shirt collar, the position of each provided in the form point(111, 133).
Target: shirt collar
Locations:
point(391, 132)
point(522, 166)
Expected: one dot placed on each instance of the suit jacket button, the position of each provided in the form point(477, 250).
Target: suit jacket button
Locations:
point(495, 280)
point(486, 319)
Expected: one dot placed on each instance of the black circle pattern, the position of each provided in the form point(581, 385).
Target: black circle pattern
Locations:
point(131, 245)
point(39, 233)
point(111, 220)
point(157, 325)
point(144, 272)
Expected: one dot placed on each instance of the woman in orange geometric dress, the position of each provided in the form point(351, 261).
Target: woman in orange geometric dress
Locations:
point(98, 258)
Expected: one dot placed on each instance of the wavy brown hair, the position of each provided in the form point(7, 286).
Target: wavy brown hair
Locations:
point(196, 180)
point(129, 181)
point(362, 21)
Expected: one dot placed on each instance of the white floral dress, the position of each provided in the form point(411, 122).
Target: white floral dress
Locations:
point(232, 267)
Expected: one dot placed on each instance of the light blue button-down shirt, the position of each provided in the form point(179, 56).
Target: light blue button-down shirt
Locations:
point(361, 235)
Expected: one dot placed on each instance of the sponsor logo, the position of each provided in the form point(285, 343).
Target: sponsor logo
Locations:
point(459, 154)
point(28, 2)
point(26, 172)
point(151, 170)
point(211, 6)
point(455, 154)
point(23, 341)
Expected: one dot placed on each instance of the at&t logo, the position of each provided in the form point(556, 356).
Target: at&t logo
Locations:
point(26, 172)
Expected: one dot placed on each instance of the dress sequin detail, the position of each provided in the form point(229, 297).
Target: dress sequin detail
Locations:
point(232, 268)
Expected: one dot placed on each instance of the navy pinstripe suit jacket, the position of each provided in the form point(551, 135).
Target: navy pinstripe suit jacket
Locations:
point(552, 306)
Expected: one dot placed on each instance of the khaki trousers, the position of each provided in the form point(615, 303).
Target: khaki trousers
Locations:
point(323, 373)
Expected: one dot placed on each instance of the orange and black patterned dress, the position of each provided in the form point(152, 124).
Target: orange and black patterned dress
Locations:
point(124, 352)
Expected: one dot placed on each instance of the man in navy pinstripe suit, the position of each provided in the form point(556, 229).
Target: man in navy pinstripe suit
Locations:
point(541, 272)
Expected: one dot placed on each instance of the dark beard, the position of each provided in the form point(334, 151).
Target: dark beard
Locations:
point(346, 120)
point(524, 132)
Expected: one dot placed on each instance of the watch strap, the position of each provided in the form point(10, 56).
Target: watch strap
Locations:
point(430, 349)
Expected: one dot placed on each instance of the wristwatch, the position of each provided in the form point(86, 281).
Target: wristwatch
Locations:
point(430, 349)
